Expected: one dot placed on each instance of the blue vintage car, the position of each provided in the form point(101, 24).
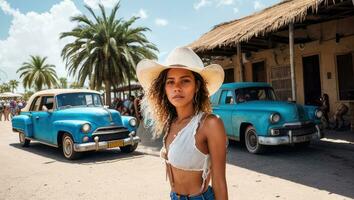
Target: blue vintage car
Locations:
point(252, 114)
point(74, 120)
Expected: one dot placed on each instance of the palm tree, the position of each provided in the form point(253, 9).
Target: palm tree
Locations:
point(105, 50)
point(36, 73)
point(75, 85)
point(13, 85)
point(63, 82)
point(5, 87)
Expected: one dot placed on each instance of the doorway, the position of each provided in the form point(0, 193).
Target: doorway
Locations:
point(259, 72)
point(312, 80)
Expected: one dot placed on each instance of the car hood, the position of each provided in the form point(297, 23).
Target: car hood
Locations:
point(95, 115)
point(289, 111)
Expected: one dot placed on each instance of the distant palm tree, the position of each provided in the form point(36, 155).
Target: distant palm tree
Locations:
point(105, 50)
point(36, 73)
point(13, 85)
point(63, 82)
point(5, 87)
point(75, 85)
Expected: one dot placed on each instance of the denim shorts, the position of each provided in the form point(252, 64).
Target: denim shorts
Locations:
point(207, 195)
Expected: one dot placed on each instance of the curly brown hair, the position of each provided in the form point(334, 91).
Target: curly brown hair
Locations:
point(161, 111)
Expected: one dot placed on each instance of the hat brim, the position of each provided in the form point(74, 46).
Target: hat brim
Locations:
point(148, 70)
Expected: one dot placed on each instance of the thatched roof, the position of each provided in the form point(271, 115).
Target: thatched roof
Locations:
point(260, 23)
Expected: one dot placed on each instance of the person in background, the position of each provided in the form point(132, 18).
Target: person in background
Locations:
point(13, 106)
point(137, 107)
point(341, 110)
point(325, 106)
point(6, 110)
point(2, 108)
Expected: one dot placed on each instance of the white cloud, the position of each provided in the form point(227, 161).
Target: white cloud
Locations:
point(142, 14)
point(225, 2)
point(257, 5)
point(35, 33)
point(106, 3)
point(201, 3)
point(161, 22)
point(7, 8)
point(236, 10)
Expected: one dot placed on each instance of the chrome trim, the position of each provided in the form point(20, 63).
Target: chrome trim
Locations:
point(103, 145)
point(273, 140)
point(296, 123)
point(289, 139)
point(108, 132)
point(271, 118)
point(42, 142)
point(107, 127)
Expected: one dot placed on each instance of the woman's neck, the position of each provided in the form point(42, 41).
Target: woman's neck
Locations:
point(184, 113)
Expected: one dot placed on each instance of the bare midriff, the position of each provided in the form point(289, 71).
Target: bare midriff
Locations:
point(187, 182)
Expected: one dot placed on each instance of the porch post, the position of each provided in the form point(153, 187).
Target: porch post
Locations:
point(292, 61)
point(239, 58)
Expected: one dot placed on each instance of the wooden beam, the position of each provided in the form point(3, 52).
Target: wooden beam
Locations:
point(292, 61)
point(239, 59)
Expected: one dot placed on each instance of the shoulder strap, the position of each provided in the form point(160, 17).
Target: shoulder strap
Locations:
point(202, 120)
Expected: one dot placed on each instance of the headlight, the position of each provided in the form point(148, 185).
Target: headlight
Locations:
point(86, 128)
point(133, 122)
point(319, 113)
point(274, 118)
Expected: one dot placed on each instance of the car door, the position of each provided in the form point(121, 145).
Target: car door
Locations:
point(225, 109)
point(42, 120)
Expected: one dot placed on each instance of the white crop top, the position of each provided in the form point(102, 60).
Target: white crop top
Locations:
point(183, 153)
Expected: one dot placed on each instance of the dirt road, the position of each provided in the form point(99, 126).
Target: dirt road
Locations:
point(323, 171)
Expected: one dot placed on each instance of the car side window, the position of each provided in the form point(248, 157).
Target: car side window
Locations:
point(36, 103)
point(47, 101)
point(226, 97)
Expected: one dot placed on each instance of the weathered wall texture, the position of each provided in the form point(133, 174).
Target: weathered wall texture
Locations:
point(325, 46)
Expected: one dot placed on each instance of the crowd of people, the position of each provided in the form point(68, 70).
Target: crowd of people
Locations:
point(129, 106)
point(10, 108)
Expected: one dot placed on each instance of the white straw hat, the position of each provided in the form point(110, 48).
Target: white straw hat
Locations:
point(181, 57)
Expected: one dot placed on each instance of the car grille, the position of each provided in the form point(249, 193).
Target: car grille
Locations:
point(299, 130)
point(111, 133)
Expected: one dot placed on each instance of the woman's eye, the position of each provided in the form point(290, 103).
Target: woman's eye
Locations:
point(186, 81)
point(169, 82)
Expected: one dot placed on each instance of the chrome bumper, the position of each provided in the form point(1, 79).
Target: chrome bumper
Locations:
point(289, 139)
point(104, 145)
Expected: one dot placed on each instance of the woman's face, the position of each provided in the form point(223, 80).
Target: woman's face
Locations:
point(180, 87)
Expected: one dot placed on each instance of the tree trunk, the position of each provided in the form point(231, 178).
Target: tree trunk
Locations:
point(108, 92)
point(129, 86)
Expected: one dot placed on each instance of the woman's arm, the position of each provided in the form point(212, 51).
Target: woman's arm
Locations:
point(216, 139)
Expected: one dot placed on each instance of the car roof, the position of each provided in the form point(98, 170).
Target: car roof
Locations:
point(63, 91)
point(236, 85)
point(54, 92)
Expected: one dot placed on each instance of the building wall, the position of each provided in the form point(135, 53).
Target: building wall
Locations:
point(325, 46)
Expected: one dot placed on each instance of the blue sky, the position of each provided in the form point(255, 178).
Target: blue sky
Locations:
point(31, 27)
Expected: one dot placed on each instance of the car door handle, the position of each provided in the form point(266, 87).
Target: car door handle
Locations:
point(37, 117)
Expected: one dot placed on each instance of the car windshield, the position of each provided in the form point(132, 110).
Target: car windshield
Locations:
point(78, 99)
point(255, 94)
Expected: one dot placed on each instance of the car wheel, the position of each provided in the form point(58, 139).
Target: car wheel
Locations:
point(129, 148)
point(251, 141)
point(23, 141)
point(68, 148)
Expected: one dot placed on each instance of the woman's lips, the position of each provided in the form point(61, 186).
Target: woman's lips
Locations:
point(178, 97)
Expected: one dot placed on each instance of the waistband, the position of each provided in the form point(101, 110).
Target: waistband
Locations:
point(207, 195)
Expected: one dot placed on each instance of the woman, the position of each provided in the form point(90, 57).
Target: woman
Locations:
point(7, 110)
point(194, 146)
